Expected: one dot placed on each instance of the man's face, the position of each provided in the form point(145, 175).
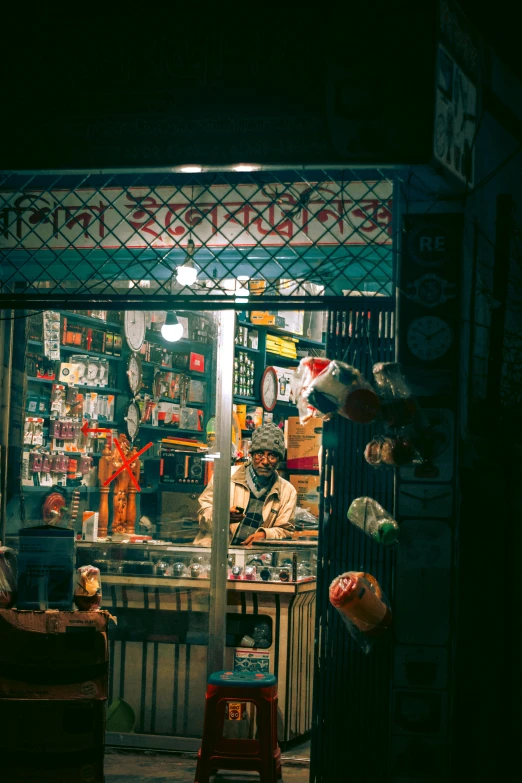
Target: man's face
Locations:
point(265, 462)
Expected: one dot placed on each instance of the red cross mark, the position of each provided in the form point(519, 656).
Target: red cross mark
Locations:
point(127, 465)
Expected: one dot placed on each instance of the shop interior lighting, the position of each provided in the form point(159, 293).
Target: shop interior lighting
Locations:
point(191, 169)
point(187, 274)
point(242, 290)
point(172, 330)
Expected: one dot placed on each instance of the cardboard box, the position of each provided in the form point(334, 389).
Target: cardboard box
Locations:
point(51, 727)
point(303, 442)
point(266, 318)
point(308, 496)
point(53, 655)
point(191, 361)
point(90, 526)
point(80, 767)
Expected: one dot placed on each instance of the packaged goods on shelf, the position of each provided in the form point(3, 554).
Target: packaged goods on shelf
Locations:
point(181, 467)
point(191, 361)
point(307, 487)
point(197, 391)
point(266, 318)
point(191, 419)
point(303, 443)
point(241, 411)
point(284, 384)
point(90, 526)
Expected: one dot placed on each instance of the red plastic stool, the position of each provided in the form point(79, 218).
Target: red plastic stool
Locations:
point(256, 755)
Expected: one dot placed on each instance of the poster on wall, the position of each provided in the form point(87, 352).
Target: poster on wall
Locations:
point(455, 119)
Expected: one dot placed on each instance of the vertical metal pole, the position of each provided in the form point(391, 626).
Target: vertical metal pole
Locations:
point(221, 507)
point(6, 374)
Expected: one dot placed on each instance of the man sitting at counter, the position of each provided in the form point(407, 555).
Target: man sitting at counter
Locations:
point(262, 504)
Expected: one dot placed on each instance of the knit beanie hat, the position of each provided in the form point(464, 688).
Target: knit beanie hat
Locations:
point(268, 437)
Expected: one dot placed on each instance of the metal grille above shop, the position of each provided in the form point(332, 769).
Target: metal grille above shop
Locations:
point(289, 238)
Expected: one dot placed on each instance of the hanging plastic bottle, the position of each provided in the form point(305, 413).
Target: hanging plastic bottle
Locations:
point(211, 432)
point(359, 600)
point(370, 517)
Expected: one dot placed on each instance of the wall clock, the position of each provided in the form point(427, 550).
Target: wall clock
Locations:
point(135, 326)
point(132, 418)
point(134, 373)
point(425, 500)
point(269, 385)
point(429, 338)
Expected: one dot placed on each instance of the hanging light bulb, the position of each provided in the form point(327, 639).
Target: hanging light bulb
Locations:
point(242, 290)
point(172, 330)
point(188, 274)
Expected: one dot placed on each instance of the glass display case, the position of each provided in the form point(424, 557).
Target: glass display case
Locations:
point(284, 563)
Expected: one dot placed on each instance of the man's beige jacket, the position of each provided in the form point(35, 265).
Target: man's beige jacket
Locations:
point(278, 509)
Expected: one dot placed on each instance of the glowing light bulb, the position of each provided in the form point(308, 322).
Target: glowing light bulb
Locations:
point(191, 169)
point(187, 274)
point(172, 330)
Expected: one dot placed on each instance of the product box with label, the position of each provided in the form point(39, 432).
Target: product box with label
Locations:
point(303, 442)
point(266, 318)
point(284, 384)
point(190, 361)
point(53, 655)
point(249, 660)
point(90, 526)
point(307, 487)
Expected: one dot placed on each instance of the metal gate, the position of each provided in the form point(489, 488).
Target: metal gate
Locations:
point(122, 238)
point(352, 690)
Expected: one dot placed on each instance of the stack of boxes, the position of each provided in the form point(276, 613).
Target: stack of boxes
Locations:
point(282, 346)
point(53, 688)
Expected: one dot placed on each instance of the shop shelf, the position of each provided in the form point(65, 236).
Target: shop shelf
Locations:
point(101, 389)
point(76, 349)
point(157, 339)
point(245, 348)
point(172, 430)
point(303, 340)
point(197, 488)
point(238, 398)
point(161, 367)
point(89, 321)
point(276, 358)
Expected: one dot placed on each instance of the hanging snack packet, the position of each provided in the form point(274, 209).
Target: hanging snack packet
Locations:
point(340, 388)
point(88, 592)
point(398, 405)
point(390, 451)
point(309, 368)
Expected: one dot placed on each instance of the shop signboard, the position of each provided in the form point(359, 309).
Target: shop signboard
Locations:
point(303, 214)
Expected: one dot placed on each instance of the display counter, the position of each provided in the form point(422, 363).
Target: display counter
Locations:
point(160, 596)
